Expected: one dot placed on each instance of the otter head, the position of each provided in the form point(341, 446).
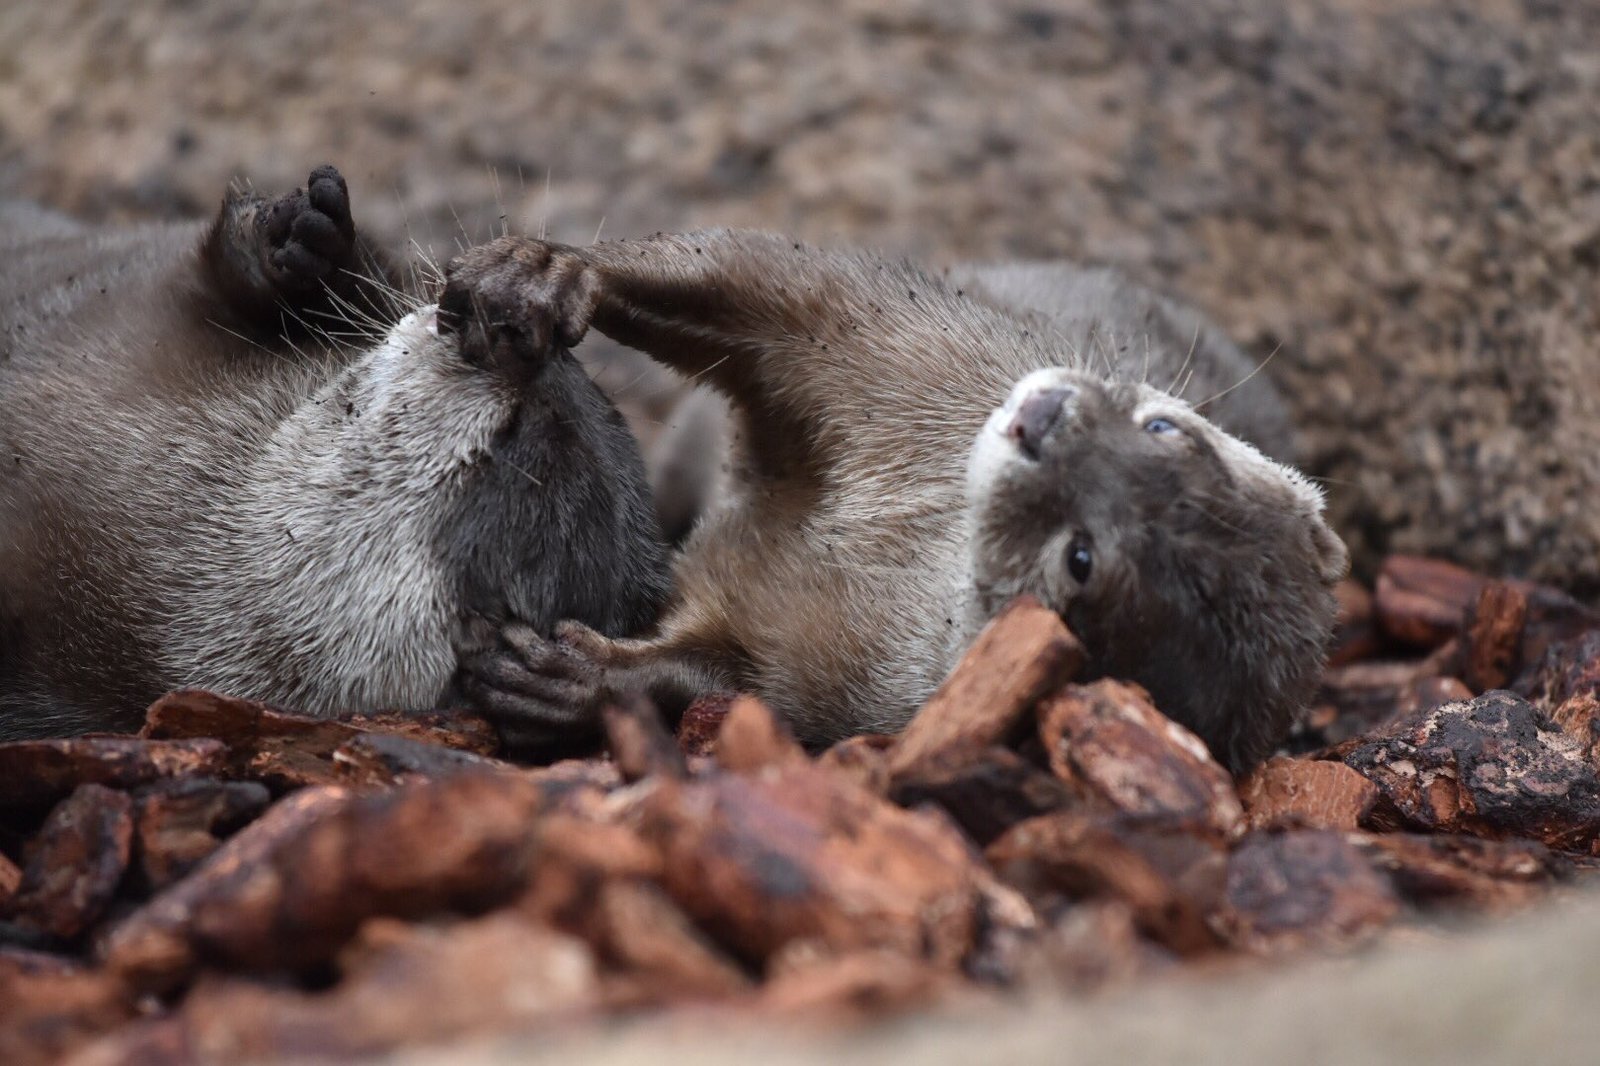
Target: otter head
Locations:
point(1182, 557)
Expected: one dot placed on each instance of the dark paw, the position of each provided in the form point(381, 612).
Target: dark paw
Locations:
point(537, 692)
point(308, 235)
point(515, 300)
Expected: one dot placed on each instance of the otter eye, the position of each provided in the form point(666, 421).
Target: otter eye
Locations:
point(1161, 426)
point(1080, 559)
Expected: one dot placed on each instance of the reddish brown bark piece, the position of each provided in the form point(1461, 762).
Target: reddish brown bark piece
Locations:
point(1566, 685)
point(1308, 793)
point(1490, 875)
point(642, 932)
point(639, 741)
point(370, 759)
point(1367, 695)
point(179, 823)
point(1170, 875)
point(322, 861)
point(457, 730)
point(288, 751)
point(864, 760)
point(800, 853)
point(753, 737)
point(283, 751)
point(35, 774)
point(75, 862)
point(1024, 653)
point(1553, 618)
point(1427, 693)
point(1424, 602)
point(50, 1007)
point(1494, 625)
point(1421, 602)
point(1355, 634)
point(1302, 889)
point(574, 786)
point(700, 724)
point(576, 856)
point(986, 794)
point(403, 985)
point(158, 946)
point(1113, 748)
point(1492, 767)
point(10, 881)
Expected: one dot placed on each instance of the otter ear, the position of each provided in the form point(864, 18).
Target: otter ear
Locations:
point(1333, 558)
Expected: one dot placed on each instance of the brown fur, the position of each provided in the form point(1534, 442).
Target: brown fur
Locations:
point(864, 538)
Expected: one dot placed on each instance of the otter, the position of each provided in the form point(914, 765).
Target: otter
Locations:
point(237, 456)
point(1120, 326)
point(908, 457)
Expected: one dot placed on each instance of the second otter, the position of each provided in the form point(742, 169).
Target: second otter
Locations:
point(908, 458)
point(199, 488)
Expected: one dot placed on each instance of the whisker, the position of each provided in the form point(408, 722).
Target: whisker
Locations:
point(234, 333)
point(544, 206)
point(622, 391)
point(499, 201)
point(521, 471)
point(709, 369)
point(1259, 367)
point(1193, 343)
point(1224, 523)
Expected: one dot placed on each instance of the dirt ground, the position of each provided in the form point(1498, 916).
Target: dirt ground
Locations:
point(1400, 198)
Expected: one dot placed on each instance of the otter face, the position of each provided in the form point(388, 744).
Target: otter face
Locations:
point(1182, 557)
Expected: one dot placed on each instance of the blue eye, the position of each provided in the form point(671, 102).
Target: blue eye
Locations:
point(1160, 425)
point(1080, 558)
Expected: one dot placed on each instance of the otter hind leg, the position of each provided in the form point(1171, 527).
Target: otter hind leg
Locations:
point(270, 260)
point(308, 234)
point(539, 692)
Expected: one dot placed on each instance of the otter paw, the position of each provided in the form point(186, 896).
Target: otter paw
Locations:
point(535, 691)
point(514, 300)
point(308, 235)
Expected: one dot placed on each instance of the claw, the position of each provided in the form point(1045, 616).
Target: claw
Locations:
point(530, 686)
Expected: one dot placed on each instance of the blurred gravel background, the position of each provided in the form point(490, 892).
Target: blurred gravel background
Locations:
point(1399, 197)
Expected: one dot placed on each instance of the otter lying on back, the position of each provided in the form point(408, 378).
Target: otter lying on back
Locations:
point(197, 490)
point(909, 457)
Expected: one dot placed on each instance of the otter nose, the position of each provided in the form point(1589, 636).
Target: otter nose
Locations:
point(1035, 417)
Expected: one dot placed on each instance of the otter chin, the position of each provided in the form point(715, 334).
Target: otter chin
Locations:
point(1182, 557)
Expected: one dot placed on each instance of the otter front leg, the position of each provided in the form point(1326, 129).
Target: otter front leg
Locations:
point(270, 261)
point(799, 337)
point(541, 692)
